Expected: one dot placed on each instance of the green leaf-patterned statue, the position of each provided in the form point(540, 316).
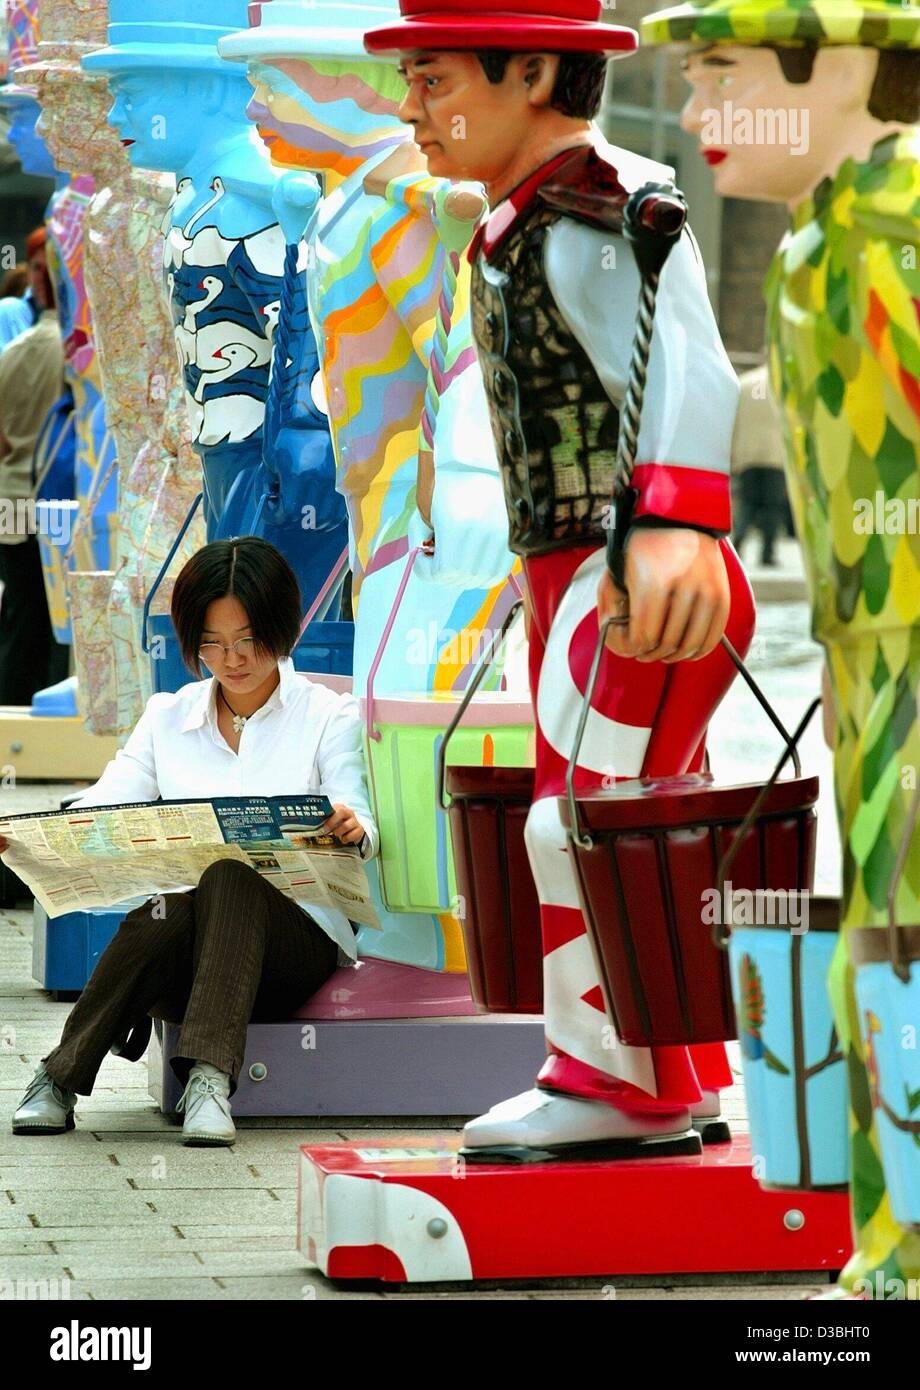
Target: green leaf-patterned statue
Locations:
point(817, 106)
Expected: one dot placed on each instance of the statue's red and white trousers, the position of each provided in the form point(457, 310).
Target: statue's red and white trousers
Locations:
point(646, 720)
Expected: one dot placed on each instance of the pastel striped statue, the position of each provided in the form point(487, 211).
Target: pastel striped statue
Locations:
point(379, 273)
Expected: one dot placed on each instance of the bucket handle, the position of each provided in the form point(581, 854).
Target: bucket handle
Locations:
point(721, 932)
point(580, 835)
point(62, 411)
point(325, 596)
point(474, 684)
point(900, 962)
point(575, 829)
point(254, 530)
point(92, 497)
point(427, 547)
point(145, 646)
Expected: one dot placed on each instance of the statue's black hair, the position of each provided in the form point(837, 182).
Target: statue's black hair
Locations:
point(579, 87)
point(895, 94)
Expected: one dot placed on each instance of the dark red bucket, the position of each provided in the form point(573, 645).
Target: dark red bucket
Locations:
point(501, 911)
point(654, 851)
point(650, 856)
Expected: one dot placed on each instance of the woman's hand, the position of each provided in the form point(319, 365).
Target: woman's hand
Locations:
point(344, 824)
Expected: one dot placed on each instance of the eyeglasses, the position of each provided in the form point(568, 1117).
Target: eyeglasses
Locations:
point(210, 651)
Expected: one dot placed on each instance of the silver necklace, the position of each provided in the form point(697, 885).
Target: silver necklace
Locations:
point(239, 720)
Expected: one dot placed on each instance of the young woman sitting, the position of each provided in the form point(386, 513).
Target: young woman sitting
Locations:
point(234, 948)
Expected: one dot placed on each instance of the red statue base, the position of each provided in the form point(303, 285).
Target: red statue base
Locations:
point(404, 1211)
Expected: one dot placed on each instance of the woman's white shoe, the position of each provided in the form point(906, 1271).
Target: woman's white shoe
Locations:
point(46, 1107)
point(205, 1102)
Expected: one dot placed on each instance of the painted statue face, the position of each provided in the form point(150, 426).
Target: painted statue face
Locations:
point(768, 138)
point(322, 113)
point(154, 114)
point(22, 116)
point(466, 126)
point(22, 112)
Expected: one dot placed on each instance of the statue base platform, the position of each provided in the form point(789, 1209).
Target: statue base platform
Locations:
point(397, 1211)
point(362, 1066)
point(65, 949)
point(386, 989)
point(52, 748)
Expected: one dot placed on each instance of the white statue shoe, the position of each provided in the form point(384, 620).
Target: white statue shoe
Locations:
point(207, 1108)
point(706, 1118)
point(542, 1124)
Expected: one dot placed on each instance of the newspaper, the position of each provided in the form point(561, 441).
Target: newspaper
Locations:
point(98, 856)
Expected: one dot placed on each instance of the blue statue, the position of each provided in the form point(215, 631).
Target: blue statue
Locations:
point(18, 101)
point(22, 111)
point(19, 107)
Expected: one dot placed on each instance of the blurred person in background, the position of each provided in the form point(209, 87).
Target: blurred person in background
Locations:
point(15, 282)
point(758, 466)
point(20, 313)
point(31, 380)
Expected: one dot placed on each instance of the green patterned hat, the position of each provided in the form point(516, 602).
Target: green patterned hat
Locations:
point(864, 23)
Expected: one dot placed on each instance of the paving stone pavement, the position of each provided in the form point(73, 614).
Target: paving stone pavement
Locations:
point(121, 1210)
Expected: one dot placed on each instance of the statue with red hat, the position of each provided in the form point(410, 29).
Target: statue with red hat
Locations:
point(506, 91)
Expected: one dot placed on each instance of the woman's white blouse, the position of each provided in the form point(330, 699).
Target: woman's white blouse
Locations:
point(305, 738)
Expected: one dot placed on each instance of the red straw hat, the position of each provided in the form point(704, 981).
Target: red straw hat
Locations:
point(518, 26)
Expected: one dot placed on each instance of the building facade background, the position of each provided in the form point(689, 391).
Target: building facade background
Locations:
point(645, 93)
point(737, 237)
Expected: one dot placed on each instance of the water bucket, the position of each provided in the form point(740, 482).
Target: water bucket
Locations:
point(648, 855)
point(403, 738)
point(795, 1079)
point(887, 961)
point(488, 809)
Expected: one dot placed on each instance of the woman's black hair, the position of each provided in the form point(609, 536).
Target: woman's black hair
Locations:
point(579, 87)
point(254, 573)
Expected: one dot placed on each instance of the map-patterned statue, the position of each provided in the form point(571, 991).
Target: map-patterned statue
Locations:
point(153, 466)
point(64, 216)
point(181, 110)
point(376, 272)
